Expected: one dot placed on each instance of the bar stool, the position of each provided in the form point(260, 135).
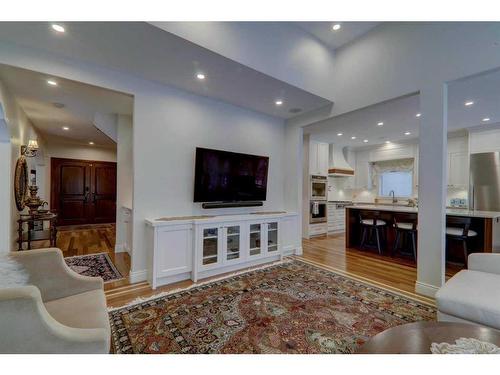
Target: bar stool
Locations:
point(371, 224)
point(457, 229)
point(406, 228)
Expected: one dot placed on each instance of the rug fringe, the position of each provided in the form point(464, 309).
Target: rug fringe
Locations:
point(139, 300)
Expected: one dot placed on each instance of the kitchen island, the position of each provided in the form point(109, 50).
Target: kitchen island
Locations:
point(482, 222)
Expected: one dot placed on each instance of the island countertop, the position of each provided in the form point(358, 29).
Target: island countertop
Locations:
point(406, 209)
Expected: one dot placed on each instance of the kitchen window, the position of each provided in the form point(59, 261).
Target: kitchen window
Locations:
point(399, 182)
point(393, 175)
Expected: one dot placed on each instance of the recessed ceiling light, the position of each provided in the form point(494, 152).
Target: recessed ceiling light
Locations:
point(418, 115)
point(58, 28)
point(407, 133)
point(278, 102)
point(336, 27)
point(339, 134)
point(380, 123)
point(486, 119)
point(91, 143)
point(365, 140)
point(353, 137)
point(52, 82)
point(200, 76)
point(387, 142)
point(65, 128)
point(469, 103)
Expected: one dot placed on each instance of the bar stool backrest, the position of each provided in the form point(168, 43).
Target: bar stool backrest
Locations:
point(460, 223)
point(406, 218)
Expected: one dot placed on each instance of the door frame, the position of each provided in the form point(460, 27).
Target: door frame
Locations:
point(54, 193)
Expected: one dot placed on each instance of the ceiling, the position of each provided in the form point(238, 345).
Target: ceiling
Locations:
point(348, 32)
point(399, 115)
point(165, 58)
point(41, 101)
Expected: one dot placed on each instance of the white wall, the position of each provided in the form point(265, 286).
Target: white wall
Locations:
point(21, 130)
point(278, 49)
point(125, 181)
point(398, 58)
point(167, 126)
point(69, 150)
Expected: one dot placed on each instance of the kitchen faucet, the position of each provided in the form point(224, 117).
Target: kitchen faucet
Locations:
point(394, 200)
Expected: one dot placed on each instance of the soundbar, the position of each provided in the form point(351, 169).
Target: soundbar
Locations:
point(210, 205)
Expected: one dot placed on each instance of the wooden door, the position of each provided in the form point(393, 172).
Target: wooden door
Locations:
point(103, 189)
point(82, 191)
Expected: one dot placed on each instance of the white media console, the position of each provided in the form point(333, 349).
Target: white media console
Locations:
point(196, 247)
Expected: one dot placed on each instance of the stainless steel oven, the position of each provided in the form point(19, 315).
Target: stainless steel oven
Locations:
point(319, 188)
point(318, 212)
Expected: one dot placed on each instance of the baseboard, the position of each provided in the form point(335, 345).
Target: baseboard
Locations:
point(426, 289)
point(138, 276)
point(120, 248)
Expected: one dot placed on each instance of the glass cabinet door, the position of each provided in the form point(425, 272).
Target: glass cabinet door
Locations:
point(255, 239)
point(233, 243)
point(272, 237)
point(210, 245)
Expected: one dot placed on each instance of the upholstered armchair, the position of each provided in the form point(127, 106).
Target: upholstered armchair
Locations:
point(473, 295)
point(59, 311)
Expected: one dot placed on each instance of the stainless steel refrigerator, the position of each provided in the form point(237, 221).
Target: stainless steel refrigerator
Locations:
point(484, 189)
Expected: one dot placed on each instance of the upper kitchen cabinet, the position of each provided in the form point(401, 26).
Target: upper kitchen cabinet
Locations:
point(457, 169)
point(318, 158)
point(458, 162)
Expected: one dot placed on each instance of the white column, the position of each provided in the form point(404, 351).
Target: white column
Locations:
point(432, 189)
point(6, 222)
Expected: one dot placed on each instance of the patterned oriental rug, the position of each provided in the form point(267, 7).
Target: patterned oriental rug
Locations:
point(96, 265)
point(292, 307)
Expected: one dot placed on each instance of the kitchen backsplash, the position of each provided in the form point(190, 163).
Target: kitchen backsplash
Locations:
point(455, 197)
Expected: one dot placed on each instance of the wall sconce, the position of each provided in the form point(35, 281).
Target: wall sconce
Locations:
point(31, 149)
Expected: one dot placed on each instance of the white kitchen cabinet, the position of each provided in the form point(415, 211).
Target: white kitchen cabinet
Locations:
point(457, 170)
point(318, 158)
point(336, 218)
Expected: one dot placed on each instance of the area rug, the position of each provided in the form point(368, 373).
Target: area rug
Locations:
point(96, 265)
point(291, 307)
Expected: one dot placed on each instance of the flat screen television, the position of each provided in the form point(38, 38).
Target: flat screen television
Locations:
point(222, 176)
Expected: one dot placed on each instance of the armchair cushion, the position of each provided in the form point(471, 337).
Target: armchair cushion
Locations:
point(472, 296)
point(84, 310)
point(484, 262)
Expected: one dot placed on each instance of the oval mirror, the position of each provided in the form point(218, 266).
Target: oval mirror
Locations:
point(21, 183)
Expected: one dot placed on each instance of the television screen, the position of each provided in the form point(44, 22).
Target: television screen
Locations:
point(222, 176)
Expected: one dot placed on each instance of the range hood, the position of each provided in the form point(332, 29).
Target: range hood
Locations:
point(338, 166)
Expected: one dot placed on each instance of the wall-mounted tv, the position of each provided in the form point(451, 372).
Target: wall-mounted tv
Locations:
point(222, 176)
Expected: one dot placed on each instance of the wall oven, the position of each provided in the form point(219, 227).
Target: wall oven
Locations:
point(317, 212)
point(319, 188)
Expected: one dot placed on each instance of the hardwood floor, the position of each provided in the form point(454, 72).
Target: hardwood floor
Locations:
point(91, 239)
point(328, 251)
point(399, 273)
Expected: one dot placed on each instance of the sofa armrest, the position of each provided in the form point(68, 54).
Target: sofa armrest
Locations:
point(27, 327)
point(51, 275)
point(484, 262)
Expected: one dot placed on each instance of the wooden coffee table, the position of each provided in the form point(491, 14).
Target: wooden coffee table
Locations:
point(416, 338)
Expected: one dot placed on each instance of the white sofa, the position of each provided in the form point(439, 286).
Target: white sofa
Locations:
point(473, 295)
point(59, 312)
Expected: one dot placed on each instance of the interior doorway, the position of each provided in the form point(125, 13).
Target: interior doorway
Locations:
point(83, 191)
